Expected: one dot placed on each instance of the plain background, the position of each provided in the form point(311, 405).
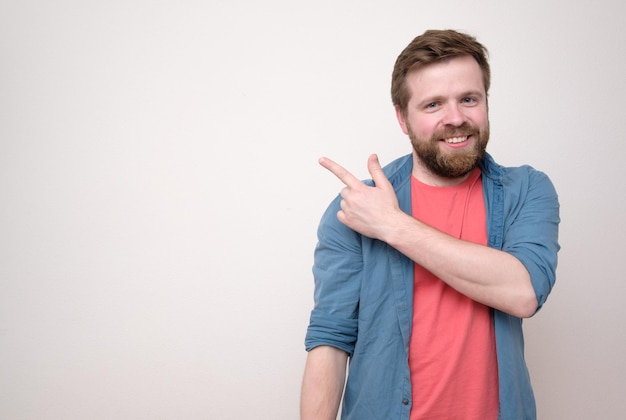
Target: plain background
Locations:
point(160, 192)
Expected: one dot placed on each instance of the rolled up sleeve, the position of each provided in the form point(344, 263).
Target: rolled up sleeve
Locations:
point(337, 272)
point(532, 234)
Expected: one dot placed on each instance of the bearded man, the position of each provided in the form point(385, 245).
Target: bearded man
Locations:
point(424, 273)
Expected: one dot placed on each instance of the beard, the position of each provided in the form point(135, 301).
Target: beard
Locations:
point(451, 163)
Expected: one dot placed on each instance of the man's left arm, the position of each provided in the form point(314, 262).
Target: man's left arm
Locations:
point(487, 275)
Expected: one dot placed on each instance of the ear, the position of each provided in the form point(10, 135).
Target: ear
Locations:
point(400, 115)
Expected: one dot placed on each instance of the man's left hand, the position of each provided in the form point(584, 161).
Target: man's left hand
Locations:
point(365, 209)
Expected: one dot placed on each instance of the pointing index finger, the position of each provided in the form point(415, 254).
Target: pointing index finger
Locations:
point(339, 171)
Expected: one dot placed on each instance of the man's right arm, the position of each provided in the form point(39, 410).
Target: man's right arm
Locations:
point(322, 386)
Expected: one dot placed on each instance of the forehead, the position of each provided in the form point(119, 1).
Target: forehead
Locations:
point(454, 76)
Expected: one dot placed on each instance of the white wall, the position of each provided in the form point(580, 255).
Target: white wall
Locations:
point(160, 191)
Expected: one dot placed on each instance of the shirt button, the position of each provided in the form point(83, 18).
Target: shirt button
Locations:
point(405, 401)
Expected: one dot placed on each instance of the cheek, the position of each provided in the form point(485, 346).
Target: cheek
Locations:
point(479, 117)
point(424, 127)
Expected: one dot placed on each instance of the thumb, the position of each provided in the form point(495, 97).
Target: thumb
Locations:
point(376, 172)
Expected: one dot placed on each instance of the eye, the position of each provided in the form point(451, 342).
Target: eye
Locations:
point(431, 105)
point(468, 100)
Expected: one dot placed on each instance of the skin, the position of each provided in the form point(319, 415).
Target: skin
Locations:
point(444, 95)
point(322, 386)
point(448, 100)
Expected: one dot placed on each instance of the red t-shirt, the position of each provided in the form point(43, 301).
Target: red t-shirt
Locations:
point(452, 357)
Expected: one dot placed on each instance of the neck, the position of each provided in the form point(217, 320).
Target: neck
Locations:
point(424, 175)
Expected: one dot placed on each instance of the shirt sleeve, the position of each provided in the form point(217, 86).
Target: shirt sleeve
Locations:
point(531, 230)
point(337, 271)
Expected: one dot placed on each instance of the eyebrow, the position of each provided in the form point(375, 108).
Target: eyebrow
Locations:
point(474, 93)
point(440, 98)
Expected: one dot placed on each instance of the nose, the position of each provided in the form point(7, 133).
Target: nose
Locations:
point(454, 115)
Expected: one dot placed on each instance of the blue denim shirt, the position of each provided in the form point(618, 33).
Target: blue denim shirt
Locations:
point(364, 292)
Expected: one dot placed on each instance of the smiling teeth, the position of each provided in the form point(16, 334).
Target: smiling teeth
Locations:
point(454, 140)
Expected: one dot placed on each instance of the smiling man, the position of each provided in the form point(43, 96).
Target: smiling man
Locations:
point(424, 273)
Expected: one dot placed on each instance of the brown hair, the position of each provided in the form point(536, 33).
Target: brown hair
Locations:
point(431, 47)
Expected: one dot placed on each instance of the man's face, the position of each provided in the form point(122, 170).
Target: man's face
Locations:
point(446, 119)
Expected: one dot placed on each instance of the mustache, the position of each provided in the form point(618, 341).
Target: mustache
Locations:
point(464, 129)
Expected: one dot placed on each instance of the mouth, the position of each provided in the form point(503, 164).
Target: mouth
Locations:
point(456, 140)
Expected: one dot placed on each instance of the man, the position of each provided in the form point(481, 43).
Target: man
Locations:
point(423, 275)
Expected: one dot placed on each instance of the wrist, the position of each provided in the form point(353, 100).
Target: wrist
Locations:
point(397, 226)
